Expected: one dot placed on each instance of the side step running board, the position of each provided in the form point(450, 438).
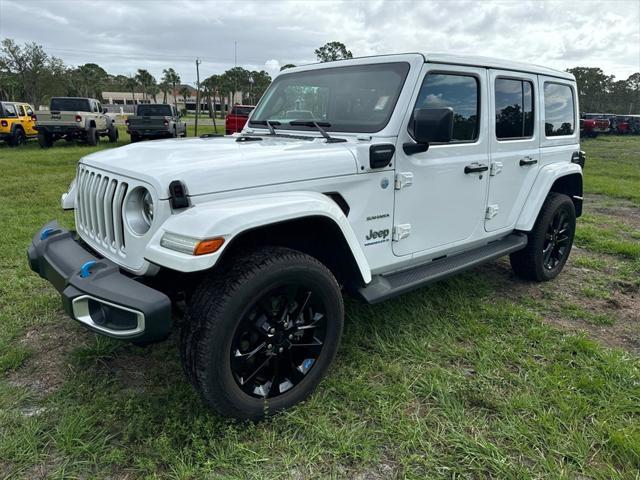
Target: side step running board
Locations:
point(387, 286)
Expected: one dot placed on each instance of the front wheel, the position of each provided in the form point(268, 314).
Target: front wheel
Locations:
point(260, 334)
point(550, 241)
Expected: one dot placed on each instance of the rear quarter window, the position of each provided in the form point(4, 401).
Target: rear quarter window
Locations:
point(559, 110)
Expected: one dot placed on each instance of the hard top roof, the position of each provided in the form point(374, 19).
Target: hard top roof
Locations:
point(446, 58)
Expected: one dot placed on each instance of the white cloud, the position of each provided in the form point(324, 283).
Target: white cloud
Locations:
point(124, 35)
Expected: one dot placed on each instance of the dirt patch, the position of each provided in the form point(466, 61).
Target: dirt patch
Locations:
point(47, 367)
point(620, 209)
point(552, 299)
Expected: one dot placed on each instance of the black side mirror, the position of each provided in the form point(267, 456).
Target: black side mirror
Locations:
point(433, 125)
point(430, 125)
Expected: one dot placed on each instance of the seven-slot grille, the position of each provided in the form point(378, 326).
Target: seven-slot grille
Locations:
point(99, 203)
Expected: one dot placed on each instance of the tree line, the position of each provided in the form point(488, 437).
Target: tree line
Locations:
point(28, 73)
point(602, 93)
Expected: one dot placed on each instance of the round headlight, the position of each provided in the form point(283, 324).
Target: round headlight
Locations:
point(138, 210)
point(147, 208)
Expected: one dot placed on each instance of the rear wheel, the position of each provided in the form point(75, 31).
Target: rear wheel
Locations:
point(113, 134)
point(92, 136)
point(44, 139)
point(550, 241)
point(260, 334)
point(18, 138)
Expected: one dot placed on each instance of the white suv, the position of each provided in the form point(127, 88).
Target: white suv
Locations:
point(374, 175)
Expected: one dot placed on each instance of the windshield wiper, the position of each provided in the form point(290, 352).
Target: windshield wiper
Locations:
point(318, 126)
point(269, 123)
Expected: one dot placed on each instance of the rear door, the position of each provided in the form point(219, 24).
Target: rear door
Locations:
point(515, 145)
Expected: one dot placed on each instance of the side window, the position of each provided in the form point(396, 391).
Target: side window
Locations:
point(21, 111)
point(29, 111)
point(514, 108)
point(459, 92)
point(10, 111)
point(559, 116)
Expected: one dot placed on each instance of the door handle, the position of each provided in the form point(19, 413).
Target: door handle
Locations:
point(476, 168)
point(526, 161)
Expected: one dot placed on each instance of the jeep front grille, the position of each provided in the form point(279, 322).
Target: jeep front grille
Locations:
point(99, 208)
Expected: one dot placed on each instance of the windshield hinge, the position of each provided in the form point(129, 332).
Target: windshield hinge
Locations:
point(401, 231)
point(403, 179)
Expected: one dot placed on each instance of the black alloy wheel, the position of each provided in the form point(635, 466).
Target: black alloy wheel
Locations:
point(278, 341)
point(557, 240)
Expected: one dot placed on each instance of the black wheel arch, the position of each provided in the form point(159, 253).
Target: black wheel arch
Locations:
point(317, 236)
point(570, 185)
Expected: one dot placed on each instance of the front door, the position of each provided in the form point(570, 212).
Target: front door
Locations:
point(515, 142)
point(445, 204)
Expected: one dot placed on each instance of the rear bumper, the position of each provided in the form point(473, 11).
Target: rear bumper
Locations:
point(94, 291)
point(148, 132)
point(61, 129)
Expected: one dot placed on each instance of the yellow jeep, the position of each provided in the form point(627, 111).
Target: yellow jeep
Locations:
point(17, 122)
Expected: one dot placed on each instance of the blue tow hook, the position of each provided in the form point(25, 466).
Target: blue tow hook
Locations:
point(46, 233)
point(85, 269)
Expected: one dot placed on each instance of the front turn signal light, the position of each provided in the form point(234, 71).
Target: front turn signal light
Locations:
point(190, 245)
point(208, 246)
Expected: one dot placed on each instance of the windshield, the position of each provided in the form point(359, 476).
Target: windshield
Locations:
point(70, 105)
point(154, 110)
point(359, 98)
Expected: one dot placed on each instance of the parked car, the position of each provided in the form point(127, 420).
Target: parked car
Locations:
point(17, 123)
point(592, 124)
point(155, 121)
point(404, 176)
point(74, 118)
point(237, 118)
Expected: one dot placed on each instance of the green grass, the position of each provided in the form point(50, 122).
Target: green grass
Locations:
point(613, 166)
point(457, 380)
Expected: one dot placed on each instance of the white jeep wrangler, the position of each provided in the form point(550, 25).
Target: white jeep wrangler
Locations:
point(374, 175)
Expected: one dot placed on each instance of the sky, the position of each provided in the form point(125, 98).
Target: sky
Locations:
point(124, 35)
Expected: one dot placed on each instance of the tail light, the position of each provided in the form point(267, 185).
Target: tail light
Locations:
point(34, 118)
point(126, 122)
point(166, 124)
point(78, 118)
point(4, 123)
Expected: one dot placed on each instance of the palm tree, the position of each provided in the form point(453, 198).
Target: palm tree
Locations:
point(186, 93)
point(171, 78)
point(131, 84)
point(164, 88)
point(146, 80)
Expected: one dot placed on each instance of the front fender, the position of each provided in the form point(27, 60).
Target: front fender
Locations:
point(541, 188)
point(229, 217)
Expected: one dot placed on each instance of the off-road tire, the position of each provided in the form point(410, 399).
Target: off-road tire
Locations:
point(113, 134)
point(528, 263)
point(92, 136)
point(217, 307)
point(18, 138)
point(45, 140)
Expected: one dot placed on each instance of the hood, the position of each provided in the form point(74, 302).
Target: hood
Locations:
point(218, 164)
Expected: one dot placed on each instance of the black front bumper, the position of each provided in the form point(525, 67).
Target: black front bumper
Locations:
point(95, 292)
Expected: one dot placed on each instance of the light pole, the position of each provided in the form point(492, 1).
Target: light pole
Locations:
point(251, 89)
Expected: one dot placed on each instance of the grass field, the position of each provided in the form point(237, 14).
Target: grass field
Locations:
point(479, 376)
